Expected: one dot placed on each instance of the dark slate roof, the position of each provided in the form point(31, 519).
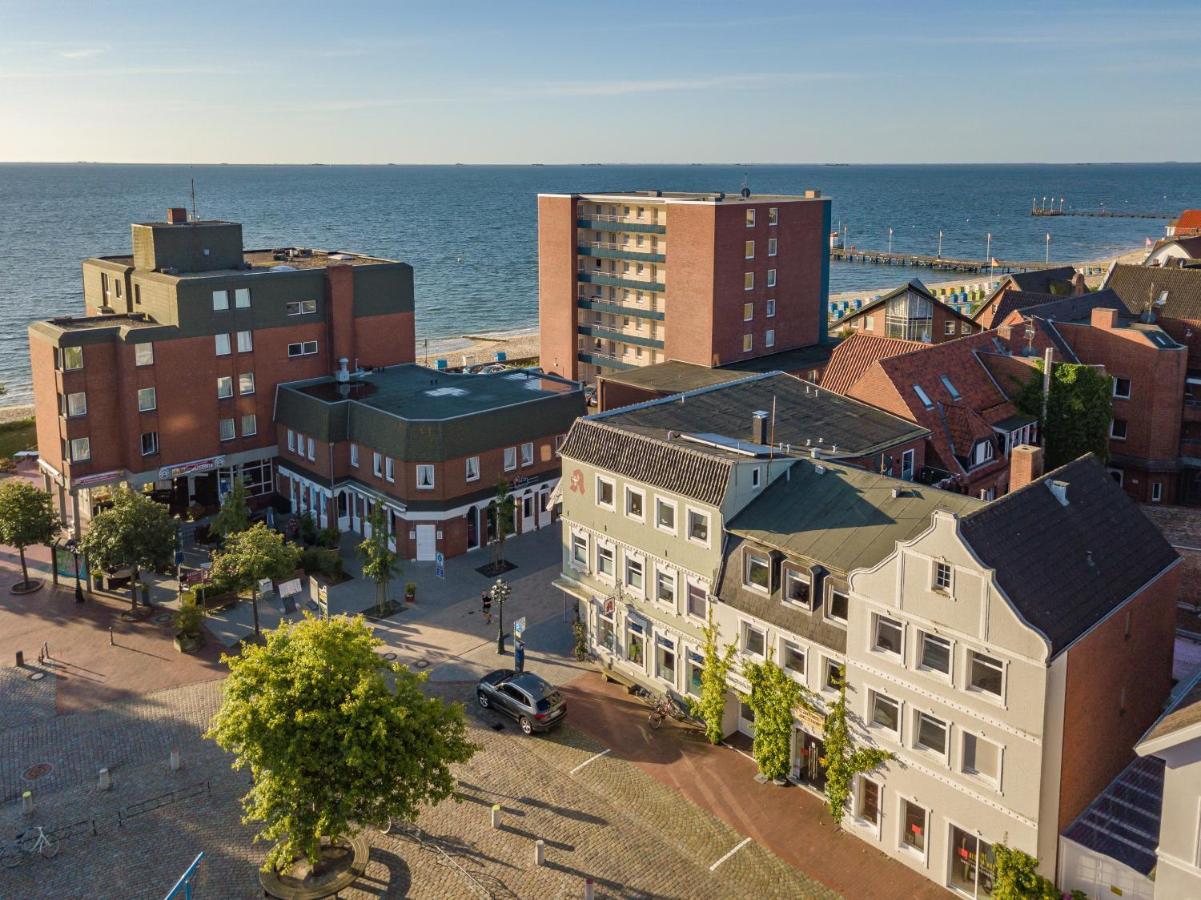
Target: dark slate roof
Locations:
point(800, 361)
point(1079, 308)
point(692, 470)
point(1065, 568)
point(1041, 281)
point(806, 416)
point(1123, 822)
point(672, 377)
point(1184, 713)
point(991, 314)
point(1134, 284)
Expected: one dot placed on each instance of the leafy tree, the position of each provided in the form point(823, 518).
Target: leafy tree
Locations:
point(711, 705)
point(333, 735)
point(134, 532)
point(1017, 877)
point(843, 761)
point(505, 508)
point(1079, 410)
point(252, 555)
point(773, 697)
point(26, 517)
point(379, 561)
point(234, 514)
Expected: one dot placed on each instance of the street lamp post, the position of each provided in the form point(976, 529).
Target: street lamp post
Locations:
point(940, 243)
point(73, 545)
point(890, 240)
point(500, 593)
point(1048, 260)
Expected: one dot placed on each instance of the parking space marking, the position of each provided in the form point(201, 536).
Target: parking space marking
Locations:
point(739, 846)
point(593, 758)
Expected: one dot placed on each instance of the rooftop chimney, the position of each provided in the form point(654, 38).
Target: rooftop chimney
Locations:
point(1106, 319)
point(1060, 490)
point(1025, 465)
point(759, 427)
point(177, 215)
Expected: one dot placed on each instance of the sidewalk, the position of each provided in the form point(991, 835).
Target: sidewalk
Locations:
point(791, 822)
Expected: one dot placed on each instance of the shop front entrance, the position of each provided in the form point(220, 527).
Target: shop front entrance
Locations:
point(809, 763)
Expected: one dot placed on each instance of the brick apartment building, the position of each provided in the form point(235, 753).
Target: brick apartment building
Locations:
point(633, 279)
point(912, 313)
point(428, 447)
point(1021, 289)
point(169, 377)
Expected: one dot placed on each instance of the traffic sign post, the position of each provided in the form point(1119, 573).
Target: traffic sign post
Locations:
point(440, 565)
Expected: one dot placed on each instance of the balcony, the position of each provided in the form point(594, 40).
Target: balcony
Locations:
point(617, 281)
point(619, 223)
point(601, 250)
point(612, 334)
point(604, 361)
point(597, 304)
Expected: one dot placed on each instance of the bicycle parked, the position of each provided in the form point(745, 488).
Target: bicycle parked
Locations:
point(30, 841)
point(665, 707)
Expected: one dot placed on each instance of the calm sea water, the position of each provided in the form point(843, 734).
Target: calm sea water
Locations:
point(470, 231)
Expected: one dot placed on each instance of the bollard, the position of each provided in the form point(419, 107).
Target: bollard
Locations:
point(105, 781)
point(496, 815)
point(20, 658)
point(110, 636)
point(539, 852)
point(26, 802)
point(174, 760)
point(589, 889)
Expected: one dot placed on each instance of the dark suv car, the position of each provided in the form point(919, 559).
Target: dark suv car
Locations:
point(532, 701)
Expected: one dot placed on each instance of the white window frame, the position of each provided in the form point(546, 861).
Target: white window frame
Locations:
point(87, 445)
point(242, 390)
point(354, 454)
point(225, 381)
point(510, 461)
point(899, 654)
point(769, 338)
point(782, 645)
point(599, 549)
point(749, 250)
point(992, 781)
point(675, 515)
point(749, 555)
point(748, 343)
point(82, 411)
point(143, 354)
point(246, 342)
point(748, 281)
point(242, 298)
point(828, 603)
point(297, 349)
point(689, 585)
point(221, 344)
point(632, 558)
point(791, 571)
point(626, 495)
point(920, 666)
point(612, 505)
point(220, 300)
point(312, 454)
point(153, 395)
point(1156, 491)
point(773, 215)
point(745, 626)
point(689, 511)
point(923, 396)
point(773, 246)
point(771, 308)
point(916, 725)
point(155, 449)
point(869, 718)
point(969, 654)
point(872, 828)
point(949, 588)
point(389, 469)
point(748, 311)
point(771, 278)
point(377, 464)
point(254, 425)
point(675, 656)
point(429, 467)
point(233, 430)
point(1118, 437)
point(924, 853)
point(468, 474)
point(1129, 385)
point(300, 307)
point(527, 454)
point(292, 442)
point(671, 576)
point(750, 218)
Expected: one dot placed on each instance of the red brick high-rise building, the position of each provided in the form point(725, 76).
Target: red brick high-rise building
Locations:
point(633, 279)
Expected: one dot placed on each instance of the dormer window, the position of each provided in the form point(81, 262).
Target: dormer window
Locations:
point(757, 572)
point(983, 453)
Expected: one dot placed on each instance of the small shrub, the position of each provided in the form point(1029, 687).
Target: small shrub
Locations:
point(188, 617)
point(322, 561)
point(308, 528)
point(329, 537)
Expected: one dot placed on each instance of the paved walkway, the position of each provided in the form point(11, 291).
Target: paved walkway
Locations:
point(791, 822)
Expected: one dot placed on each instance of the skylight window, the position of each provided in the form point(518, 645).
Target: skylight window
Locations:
point(923, 396)
point(946, 382)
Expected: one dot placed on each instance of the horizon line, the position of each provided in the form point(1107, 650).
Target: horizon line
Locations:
point(595, 164)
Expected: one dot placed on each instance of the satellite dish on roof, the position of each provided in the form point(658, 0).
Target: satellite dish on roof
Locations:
point(283, 269)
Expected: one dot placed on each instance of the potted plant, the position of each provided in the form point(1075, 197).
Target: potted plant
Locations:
point(188, 621)
point(410, 592)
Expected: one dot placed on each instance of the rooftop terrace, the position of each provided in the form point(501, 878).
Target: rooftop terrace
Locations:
point(283, 259)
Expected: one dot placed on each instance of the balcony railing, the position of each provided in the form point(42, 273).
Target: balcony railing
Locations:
point(612, 334)
point(615, 280)
point(599, 304)
point(603, 360)
point(618, 223)
point(600, 250)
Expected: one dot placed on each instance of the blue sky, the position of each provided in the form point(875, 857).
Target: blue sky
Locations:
point(514, 82)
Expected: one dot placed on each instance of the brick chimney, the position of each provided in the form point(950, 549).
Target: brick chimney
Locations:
point(1105, 319)
point(1025, 465)
point(177, 215)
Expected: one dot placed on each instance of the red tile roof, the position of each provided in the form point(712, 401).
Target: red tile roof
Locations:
point(854, 356)
point(1190, 218)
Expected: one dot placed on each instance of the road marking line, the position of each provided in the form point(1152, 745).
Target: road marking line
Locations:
point(588, 760)
point(741, 844)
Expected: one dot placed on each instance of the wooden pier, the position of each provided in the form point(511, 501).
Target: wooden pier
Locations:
point(939, 263)
point(1099, 213)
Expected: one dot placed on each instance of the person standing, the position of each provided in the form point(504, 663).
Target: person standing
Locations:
point(486, 604)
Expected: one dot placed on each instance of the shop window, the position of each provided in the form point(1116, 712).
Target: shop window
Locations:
point(694, 669)
point(635, 644)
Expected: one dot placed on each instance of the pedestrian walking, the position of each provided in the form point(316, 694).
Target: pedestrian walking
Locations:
point(486, 603)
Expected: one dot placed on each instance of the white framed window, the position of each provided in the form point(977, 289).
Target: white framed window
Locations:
point(796, 588)
point(949, 327)
point(748, 281)
point(750, 218)
point(753, 640)
point(769, 338)
point(635, 504)
point(636, 643)
point(81, 449)
point(943, 576)
point(773, 215)
point(389, 469)
point(698, 601)
point(771, 308)
point(143, 354)
point(527, 453)
point(147, 399)
point(838, 605)
point(292, 443)
point(1156, 491)
point(425, 477)
point(771, 246)
point(934, 653)
point(605, 563)
point(635, 573)
point(965, 328)
point(1117, 429)
point(579, 551)
point(884, 712)
point(913, 827)
point(694, 668)
point(510, 458)
point(665, 586)
point(748, 312)
point(242, 298)
point(220, 300)
point(227, 429)
point(77, 404)
point(377, 464)
point(665, 515)
point(930, 733)
point(867, 802)
point(698, 526)
point(302, 348)
point(756, 571)
point(985, 673)
point(472, 468)
point(250, 425)
point(1121, 388)
point(225, 387)
point(221, 344)
point(246, 383)
point(792, 658)
point(888, 635)
point(354, 454)
point(748, 343)
point(831, 674)
point(246, 342)
point(71, 358)
point(312, 454)
point(605, 493)
point(665, 659)
point(771, 278)
point(300, 307)
point(750, 250)
point(756, 477)
point(149, 443)
point(980, 758)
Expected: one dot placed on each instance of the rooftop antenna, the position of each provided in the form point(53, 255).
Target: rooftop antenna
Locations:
point(194, 216)
point(772, 439)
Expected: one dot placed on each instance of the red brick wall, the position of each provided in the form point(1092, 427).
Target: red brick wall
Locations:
point(1186, 332)
point(1099, 734)
point(45, 401)
point(873, 463)
point(557, 314)
point(690, 321)
point(385, 340)
point(610, 395)
point(339, 293)
point(938, 328)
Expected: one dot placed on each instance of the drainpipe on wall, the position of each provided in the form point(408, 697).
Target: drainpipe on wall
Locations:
point(1048, 360)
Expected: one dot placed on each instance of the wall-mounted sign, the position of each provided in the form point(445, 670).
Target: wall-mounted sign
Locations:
point(195, 467)
point(98, 478)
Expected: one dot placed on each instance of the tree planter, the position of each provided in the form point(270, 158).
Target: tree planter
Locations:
point(343, 861)
point(410, 593)
point(26, 587)
point(188, 643)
